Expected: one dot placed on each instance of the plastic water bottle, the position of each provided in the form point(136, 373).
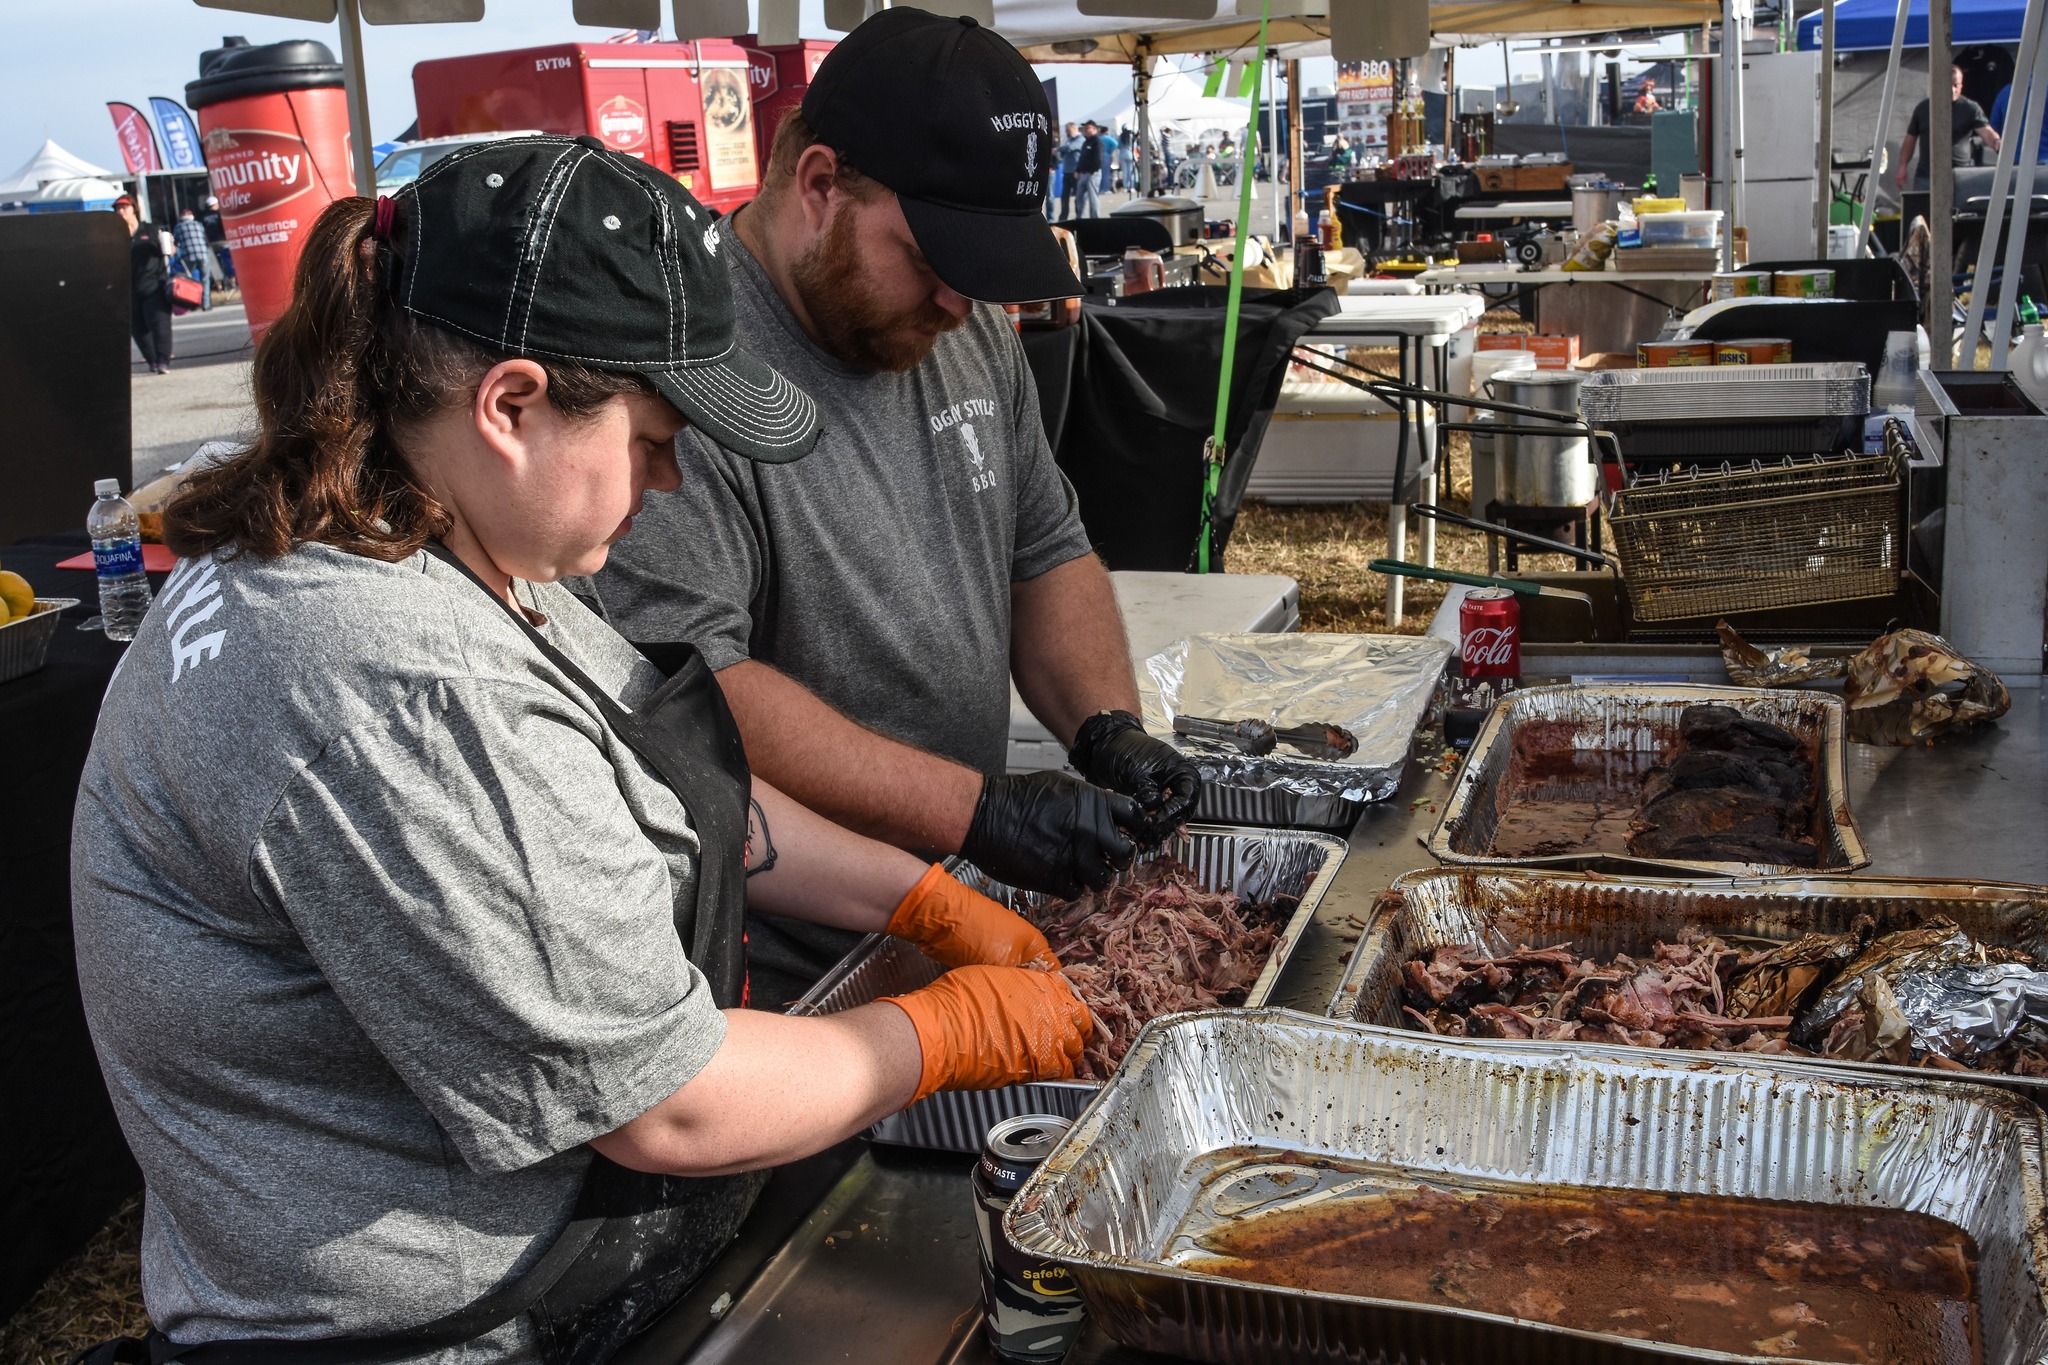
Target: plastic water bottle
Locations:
point(117, 559)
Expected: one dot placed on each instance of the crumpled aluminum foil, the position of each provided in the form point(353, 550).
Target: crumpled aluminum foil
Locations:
point(1966, 1011)
point(1375, 686)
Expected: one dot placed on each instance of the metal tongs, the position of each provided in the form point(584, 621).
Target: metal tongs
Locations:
point(1259, 738)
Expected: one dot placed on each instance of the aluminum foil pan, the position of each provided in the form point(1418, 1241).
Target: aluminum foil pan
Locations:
point(1201, 1092)
point(1678, 393)
point(1639, 721)
point(1376, 686)
point(1501, 910)
point(1258, 864)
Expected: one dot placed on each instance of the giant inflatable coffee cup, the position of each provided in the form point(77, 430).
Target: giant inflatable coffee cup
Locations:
point(274, 121)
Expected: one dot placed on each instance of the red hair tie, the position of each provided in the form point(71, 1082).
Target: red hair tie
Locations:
point(385, 218)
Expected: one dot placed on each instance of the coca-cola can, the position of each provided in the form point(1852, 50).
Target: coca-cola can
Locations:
point(1490, 634)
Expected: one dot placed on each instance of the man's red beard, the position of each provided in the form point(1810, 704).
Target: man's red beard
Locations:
point(851, 325)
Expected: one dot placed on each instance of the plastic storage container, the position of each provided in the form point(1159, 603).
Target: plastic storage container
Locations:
point(1680, 229)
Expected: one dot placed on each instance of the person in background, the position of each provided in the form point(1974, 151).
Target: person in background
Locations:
point(1343, 156)
point(217, 239)
point(1967, 120)
point(1646, 97)
point(868, 609)
point(193, 256)
point(1070, 158)
point(2000, 107)
point(1088, 168)
point(149, 286)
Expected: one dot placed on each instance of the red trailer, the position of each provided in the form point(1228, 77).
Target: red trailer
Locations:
point(781, 74)
point(683, 107)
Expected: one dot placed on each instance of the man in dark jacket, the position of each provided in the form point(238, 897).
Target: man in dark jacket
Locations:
point(1088, 170)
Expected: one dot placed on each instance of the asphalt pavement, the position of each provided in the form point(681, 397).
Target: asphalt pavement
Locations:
point(204, 398)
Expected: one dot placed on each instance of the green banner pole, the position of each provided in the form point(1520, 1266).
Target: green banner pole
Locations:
point(1213, 450)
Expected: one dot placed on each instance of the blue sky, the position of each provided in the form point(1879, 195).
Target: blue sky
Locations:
point(64, 59)
point(61, 62)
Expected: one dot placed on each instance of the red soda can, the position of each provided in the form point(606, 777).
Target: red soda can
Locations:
point(1490, 634)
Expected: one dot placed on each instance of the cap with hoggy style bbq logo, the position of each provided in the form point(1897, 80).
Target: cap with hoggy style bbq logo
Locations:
point(952, 118)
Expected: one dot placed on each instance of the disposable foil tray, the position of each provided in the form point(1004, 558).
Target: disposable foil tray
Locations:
point(1706, 392)
point(1376, 686)
point(1202, 1096)
point(1258, 864)
point(1502, 910)
point(1639, 721)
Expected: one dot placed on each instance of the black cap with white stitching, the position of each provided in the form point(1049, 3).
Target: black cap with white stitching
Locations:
point(562, 249)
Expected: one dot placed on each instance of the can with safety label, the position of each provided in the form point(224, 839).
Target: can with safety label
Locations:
point(1031, 1307)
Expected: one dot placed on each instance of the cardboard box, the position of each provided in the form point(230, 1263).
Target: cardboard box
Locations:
point(1552, 352)
point(1497, 179)
point(1482, 253)
point(1543, 177)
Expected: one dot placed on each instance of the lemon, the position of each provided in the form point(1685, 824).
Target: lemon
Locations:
point(15, 592)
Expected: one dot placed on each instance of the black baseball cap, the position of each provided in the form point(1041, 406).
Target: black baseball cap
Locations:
point(951, 117)
point(561, 248)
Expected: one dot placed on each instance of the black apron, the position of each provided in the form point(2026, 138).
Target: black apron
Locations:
point(634, 1242)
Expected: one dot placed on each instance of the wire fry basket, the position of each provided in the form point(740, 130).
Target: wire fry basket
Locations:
point(1753, 537)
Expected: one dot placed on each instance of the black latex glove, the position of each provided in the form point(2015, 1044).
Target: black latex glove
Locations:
point(1112, 750)
point(1051, 832)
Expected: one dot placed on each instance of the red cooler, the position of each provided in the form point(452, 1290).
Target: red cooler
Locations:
point(274, 121)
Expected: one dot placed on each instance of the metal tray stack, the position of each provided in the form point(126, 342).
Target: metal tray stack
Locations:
point(1723, 412)
point(1725, 393)
point(1200, 1094)
point(1643, 718)
point(1502, 910)
point(1258, 864)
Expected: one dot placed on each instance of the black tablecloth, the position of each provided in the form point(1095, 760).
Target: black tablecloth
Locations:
point(63, 1164)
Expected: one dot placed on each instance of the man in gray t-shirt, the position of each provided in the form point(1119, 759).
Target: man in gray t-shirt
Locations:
point(866, 612)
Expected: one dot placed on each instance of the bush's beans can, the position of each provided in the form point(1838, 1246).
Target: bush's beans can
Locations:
point(1490, 634)
point(1030, 1307)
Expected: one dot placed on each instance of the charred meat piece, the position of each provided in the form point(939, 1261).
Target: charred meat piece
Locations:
point(1712, 813)
point(1695, 769)
point(1725, 728)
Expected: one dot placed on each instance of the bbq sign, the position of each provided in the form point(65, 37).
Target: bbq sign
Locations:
point(253, 171)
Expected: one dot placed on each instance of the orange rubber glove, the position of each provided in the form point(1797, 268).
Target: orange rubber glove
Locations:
point(960, 927)
point(982, 1027)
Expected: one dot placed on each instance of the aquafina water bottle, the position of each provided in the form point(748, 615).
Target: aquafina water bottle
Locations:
point(117, 559)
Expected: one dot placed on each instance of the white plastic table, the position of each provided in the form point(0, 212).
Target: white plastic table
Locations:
point(1427, 323)
point(1508, 212)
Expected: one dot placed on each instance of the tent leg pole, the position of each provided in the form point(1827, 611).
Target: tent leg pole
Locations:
point(1294, 135)
point(1878, 143)
point(350, 16)
point(1141, 82)
point(1995, 211)
point(1941, 191)
point(2020, 209)
point(1824, 183)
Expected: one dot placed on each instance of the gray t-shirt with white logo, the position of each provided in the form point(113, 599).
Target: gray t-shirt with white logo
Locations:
point(877, 570)
point(375, 928)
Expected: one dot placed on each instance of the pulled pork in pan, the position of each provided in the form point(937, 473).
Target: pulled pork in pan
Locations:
point(1156, 944)
point(1830, 995)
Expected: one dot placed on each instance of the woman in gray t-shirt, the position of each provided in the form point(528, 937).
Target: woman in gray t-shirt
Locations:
point(389, 898)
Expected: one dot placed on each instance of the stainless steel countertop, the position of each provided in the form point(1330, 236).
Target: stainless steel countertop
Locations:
point(885, 1268)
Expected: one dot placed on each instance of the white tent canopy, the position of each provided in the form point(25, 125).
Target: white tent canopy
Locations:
point(1177, 102)
point(51, 162)
point(80, 190)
